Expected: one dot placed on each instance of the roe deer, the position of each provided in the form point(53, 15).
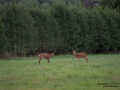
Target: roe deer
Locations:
point(46, 56)
point(80, 55)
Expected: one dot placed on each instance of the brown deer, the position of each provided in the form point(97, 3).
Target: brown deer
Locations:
point(46, 56)
point(80, 55)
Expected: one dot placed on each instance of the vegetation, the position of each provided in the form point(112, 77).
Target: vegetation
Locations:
point(62, 73)
point(2, 38)
point(115, 4)
point(29, 28)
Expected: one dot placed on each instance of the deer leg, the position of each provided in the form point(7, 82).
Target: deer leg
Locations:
point(39, 60)
point(48, 60)
point(86, 59)
point(78, 59)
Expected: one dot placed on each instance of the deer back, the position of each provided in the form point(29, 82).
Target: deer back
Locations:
point(81, 55)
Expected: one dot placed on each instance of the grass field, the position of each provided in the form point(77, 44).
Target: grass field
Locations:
point(102, 72)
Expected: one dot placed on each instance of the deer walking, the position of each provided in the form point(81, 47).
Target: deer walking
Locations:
point(80, 55)
point(46, 56)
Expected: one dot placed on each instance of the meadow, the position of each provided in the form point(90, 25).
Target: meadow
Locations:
point(102, 72)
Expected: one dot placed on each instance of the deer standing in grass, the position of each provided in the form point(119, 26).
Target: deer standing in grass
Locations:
point(80, 55)
point(46, 56)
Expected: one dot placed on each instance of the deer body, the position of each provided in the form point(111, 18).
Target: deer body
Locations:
point(80, 55)
point(46, 56)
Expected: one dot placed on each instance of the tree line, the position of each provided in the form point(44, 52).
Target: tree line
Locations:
point(60, 28)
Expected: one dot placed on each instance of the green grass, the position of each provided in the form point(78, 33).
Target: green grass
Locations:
point(62, 73)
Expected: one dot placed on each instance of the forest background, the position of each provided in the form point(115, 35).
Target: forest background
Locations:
point(28, 27)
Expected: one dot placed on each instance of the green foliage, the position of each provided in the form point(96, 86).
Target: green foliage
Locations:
point(112, 19)
point(115, 4)
point(20, 31)
point(29, 3)
point(86, 29)
point(2, 38)
point(99, 32)
point(60, 27)
point(61, 13)
point(66, 18)
point(48, 29)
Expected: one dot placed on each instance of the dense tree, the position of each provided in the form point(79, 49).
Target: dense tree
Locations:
point(61, 28)
point(29, 3)
point(115, 4)
point(48, 29)
point(20, 31)
point(68, 26)
point(87, 29)
point(112, 18)
point(2, 38)
point(99, 31)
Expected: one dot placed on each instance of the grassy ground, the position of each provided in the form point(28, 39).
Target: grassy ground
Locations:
point(62, 73)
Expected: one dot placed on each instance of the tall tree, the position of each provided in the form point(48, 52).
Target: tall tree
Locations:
point(48, 29)
point(20, 29)
point(2, 38)
point(115, 4)
point(29, 3)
